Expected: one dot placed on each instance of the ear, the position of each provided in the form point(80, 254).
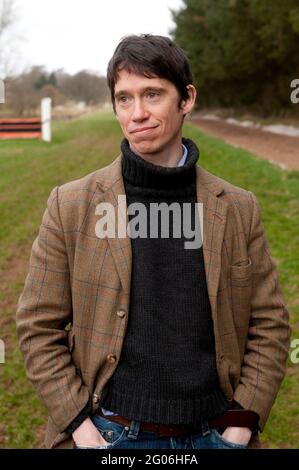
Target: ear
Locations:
point(188, 104)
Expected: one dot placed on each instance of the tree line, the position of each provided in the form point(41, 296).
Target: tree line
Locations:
point(24, 92)
point(244, 53)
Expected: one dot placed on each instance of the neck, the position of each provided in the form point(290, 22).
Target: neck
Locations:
point(138, 172)
point(168, 156)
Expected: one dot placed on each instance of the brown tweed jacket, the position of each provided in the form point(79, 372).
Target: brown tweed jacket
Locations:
point(76, 278)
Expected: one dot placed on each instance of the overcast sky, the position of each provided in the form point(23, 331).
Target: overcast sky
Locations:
point(82, 34)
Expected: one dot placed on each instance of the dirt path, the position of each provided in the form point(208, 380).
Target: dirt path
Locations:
point(279, 149)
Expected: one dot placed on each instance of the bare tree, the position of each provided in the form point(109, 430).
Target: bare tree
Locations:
point(20, 96)
point(8, 18)
point(84, 86)
point(6, 14)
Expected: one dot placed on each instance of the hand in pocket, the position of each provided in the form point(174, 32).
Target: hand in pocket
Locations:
point(87, 436)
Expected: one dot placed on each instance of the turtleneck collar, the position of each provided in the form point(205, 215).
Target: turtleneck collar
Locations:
point(138, 172)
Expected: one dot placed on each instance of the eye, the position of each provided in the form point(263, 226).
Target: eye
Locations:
point(152, 94)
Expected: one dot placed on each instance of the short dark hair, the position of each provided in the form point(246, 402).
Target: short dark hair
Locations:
point(151, 56)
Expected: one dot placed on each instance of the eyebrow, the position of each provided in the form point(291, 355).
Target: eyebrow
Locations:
point(148, 88)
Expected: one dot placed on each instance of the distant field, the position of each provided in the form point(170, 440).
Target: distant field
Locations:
point(28, 172)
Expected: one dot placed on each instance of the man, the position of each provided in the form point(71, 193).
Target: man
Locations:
point(169, 346)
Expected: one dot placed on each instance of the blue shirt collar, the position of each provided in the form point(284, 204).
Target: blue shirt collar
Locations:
point(184, 157)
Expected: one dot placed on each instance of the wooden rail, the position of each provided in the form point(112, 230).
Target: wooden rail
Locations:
point(20, 128)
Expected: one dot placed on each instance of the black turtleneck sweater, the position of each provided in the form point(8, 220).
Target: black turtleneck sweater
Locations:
point(167, 369)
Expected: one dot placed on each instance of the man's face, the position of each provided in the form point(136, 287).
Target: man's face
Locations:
point(147, 110)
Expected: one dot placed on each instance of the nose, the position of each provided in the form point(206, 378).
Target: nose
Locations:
point(139, 111)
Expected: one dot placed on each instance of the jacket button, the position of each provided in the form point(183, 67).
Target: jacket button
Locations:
point(95, 398)
point(111, 358)
point(121, 313)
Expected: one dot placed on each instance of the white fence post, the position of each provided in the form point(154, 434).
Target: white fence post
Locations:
point(46, 119)
point(2, 91)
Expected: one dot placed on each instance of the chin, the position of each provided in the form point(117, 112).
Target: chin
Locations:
point(146, 147)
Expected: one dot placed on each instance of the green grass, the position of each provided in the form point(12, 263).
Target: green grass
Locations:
point(28, 172)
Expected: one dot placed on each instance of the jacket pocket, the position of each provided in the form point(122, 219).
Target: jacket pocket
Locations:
point(241, 272)
point(241, 289)
point(73, 351)
point(71, 340)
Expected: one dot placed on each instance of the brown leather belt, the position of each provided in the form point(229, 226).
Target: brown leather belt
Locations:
point(239, 418)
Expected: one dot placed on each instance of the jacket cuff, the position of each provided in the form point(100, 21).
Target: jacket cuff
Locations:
point(236, 406)
point(85, 413)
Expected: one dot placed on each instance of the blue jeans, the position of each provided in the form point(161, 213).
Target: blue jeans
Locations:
point(119, 436)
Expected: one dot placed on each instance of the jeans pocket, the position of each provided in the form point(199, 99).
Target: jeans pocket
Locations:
point(112, 432)
point(224, 443)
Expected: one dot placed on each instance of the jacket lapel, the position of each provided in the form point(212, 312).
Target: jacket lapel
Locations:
point(111, 186)
point(208, 188)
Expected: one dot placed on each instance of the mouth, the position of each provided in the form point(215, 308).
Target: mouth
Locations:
point(143, 130)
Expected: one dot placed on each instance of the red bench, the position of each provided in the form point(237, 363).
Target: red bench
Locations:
point(20, 128)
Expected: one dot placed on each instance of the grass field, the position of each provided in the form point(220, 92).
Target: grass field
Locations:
point(28, 172)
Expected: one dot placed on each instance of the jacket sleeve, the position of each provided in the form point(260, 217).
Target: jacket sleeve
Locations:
point(43, 311)
point(268, 340)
